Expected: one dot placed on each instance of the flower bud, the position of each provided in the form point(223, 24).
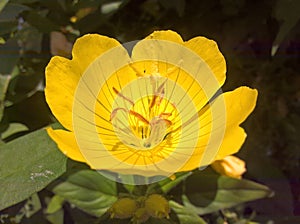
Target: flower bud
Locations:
point(123, 208)
point(141, 215)
point(157, 206)
point(230, 166)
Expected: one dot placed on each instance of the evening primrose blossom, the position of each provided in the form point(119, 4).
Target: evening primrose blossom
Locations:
point(150, 113)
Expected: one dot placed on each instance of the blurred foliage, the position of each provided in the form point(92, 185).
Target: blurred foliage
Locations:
point(260, 41)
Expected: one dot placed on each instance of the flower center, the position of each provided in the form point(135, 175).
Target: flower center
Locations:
point(146, 124)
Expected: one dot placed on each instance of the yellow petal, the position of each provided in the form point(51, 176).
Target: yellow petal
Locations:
point(162, 51)
point(209, 52)
point(142, 54)
point(87, 48)
point(234, 138)
point(239, 104)
point(63, 75)
point(61, 80)
point(66, 142)
point(168, 35)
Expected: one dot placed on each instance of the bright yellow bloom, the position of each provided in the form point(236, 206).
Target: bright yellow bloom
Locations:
point(150, 113)
point(230, 166)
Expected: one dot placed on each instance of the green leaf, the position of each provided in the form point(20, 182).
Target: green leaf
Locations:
point(3, 4)
point(11, 12)
point(287, 14)
point(110, 7)
point(168, 184)
point(32, 206)
point(24, 1)
point(4, 81)
point(55, 204)
point(87, 4)
point(89, 191)
point(57, 217)
point(28, 164)
point(9, 55)
point(13, 128)
point(42, 23)
point(207, 192)
point(8, 27)
point(186, 215)
point(128, 179)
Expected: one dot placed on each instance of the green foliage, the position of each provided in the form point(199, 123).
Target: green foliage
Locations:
point(55, 204)
point(287, 13)
point(2, 4)
point(8, 51)
point(169, 183)
point(28, 164)
point(12, 129)
point(40, 22)
point(186, 215)
point(4, 80)
point(89, 191)
point(218, 192)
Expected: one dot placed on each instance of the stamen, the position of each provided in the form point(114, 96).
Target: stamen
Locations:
point(140, 117)
point(153, 101)
point(158, 130)
point(168, 122)
point(114, 112)
point(147, 121)
point(160, 92)
point(121, 95)
point(165, 115)
point(137, 115)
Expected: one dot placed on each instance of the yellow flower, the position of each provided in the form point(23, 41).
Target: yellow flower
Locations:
point(150, 113)
point(230, 166)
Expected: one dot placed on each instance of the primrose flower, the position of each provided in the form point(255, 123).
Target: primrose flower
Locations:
point(151, 112)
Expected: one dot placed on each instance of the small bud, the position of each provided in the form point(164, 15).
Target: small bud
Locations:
point(141, 215)
point(157, 206)
point(230, 166)
point(123, 208)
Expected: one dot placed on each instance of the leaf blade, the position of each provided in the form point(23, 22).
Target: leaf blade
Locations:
point(185, 215)
point(28, 164)
point(89, 191)
point(218, 192)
